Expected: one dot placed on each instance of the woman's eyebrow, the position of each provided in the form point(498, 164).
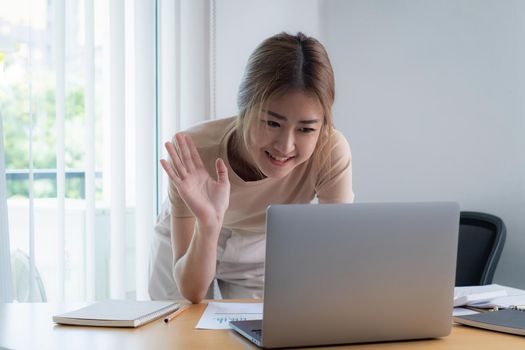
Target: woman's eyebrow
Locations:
point(282, 117)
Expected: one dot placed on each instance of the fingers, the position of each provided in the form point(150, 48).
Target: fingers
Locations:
point(178, 168)
point(184, 151)
point(194, 153)
point(222, 171)
point(169, 170)
point(184, 159)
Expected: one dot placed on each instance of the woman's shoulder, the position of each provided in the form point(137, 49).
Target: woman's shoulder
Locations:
point(209, 132)
point(339, 144)
point(334, 154)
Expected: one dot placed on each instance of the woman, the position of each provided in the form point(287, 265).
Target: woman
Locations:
point(281, 148)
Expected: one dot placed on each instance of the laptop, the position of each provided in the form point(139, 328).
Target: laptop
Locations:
point(356, 273)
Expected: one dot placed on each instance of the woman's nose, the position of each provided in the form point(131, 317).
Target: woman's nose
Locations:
point(285, 143)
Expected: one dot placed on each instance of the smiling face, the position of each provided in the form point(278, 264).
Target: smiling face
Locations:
point(285, 133)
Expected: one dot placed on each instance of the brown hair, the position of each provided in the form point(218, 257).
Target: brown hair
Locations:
point(281, 64)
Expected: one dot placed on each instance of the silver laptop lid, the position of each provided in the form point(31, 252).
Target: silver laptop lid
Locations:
point(349, 273)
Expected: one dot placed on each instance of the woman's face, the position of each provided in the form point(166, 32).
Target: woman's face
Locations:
point(286, 133)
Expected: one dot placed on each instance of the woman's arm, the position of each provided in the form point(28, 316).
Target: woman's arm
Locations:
point(194, 257)
point(194, 239)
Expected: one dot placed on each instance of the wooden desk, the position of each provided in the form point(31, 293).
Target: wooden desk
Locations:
point(30, 326)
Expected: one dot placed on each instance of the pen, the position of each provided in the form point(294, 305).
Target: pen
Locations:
point(176, 313)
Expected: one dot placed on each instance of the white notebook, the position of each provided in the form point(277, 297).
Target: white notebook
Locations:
point(118, 313)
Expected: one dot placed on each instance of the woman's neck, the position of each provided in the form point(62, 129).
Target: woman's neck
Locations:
point(237, 157)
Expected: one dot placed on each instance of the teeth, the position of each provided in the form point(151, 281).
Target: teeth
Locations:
point(279, 159)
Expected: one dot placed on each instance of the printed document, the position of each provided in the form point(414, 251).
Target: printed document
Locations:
point(218, 315)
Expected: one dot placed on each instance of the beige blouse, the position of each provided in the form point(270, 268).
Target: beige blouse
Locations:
point(241, 246)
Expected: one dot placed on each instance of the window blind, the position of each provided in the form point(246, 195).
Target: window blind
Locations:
point(145, 163)
point(6, 288)
point(60, 92)
point(89, 102)
point(117, 149)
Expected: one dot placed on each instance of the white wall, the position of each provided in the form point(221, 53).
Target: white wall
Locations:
point(431, 97)
point(241, 25)
point(194, 54)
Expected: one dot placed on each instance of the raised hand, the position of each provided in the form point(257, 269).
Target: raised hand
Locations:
point(206, 197)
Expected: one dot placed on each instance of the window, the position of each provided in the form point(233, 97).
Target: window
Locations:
point(89, 92)
point(59, 141)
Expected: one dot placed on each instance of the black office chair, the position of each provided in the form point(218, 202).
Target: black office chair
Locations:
point(481, 240)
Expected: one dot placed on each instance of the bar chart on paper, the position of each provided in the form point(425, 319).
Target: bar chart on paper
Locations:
point(218, 315)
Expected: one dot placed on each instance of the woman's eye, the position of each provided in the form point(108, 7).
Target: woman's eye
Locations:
point(272, 124)
point(306, 130)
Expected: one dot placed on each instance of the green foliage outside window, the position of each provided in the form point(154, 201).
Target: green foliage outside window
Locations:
point(15, 110)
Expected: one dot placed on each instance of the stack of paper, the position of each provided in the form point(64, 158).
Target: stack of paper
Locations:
point(473, 298)
point(489, 296)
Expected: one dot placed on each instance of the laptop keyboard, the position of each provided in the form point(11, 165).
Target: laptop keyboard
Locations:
point(257, 331)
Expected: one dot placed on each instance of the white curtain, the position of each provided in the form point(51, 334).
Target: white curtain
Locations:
point(6, 288)
point(186, 74)
point(106, 83)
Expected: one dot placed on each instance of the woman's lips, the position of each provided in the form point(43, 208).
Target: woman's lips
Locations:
point(279, 161)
